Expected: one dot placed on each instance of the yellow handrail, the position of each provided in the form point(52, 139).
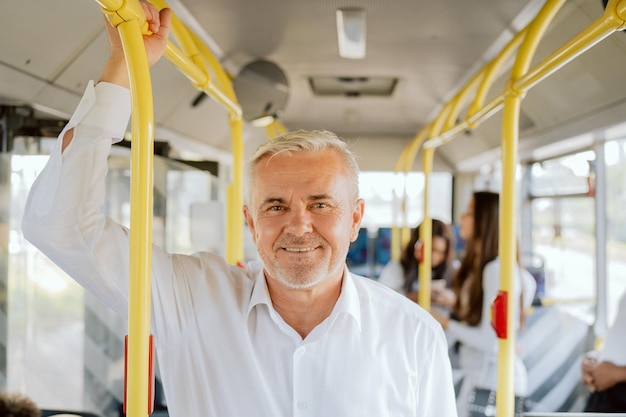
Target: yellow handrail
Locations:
point(140, 219)
point(234, 246)
point(426, 236)
point(129, 19)
point(614, 19)
point(425, 267)
point(197, 62)
point(507, 244)
point(191, 62)
point(401, 235)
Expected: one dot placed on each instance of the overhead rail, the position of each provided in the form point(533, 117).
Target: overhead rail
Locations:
point(613, 20)
point(446, 127)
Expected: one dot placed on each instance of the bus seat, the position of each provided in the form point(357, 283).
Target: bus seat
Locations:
point(552, 346)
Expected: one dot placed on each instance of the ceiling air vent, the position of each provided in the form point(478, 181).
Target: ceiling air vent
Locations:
point(353, 86)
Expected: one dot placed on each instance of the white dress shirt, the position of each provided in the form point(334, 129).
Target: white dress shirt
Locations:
point(223, 349)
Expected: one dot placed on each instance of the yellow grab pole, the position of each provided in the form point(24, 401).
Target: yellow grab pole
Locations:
point(200, 78)
point(140, 220)
point(396, 230)
point(234, 235)
point(230, 250)
point(198, 62)
point(426, 234)
point(506, 253)
point(401, 236)
point(507, 248)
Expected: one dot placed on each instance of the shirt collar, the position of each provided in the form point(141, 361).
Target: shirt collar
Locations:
point(260, 292)
point(347, 303)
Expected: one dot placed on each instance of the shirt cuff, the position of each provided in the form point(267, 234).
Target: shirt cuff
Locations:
point(110, 110)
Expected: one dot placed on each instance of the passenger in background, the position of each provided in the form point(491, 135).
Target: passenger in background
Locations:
point(17, 405)
point(403, 275)
point(604, 372)
point(474, 287)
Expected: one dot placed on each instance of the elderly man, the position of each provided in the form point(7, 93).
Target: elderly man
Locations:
point(293, 335)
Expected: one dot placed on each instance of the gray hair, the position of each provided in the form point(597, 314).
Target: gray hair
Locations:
point(307, 141)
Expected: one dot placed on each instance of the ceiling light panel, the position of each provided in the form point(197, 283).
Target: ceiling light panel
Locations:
point(351, 33)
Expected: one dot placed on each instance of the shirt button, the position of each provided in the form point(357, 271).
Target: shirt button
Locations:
point(302, 350)
point(302, 405)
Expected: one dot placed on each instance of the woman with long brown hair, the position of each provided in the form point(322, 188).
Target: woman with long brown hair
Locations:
point(474, 287)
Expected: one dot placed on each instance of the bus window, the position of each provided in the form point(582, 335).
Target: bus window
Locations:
point(564, 221)
point(615, 156)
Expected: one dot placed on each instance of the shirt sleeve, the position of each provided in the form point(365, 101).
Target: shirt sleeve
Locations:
point(63, 215)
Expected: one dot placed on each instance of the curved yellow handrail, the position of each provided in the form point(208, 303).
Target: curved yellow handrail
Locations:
point(197, 62)
point(614, 19)
point(129, 19)
point(507, 244)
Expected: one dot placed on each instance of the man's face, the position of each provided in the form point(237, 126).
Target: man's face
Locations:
point(303, 216)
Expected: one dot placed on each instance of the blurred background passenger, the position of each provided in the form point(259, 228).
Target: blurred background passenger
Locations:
point(403, 275)
point(474, 288)
point(604, 372)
